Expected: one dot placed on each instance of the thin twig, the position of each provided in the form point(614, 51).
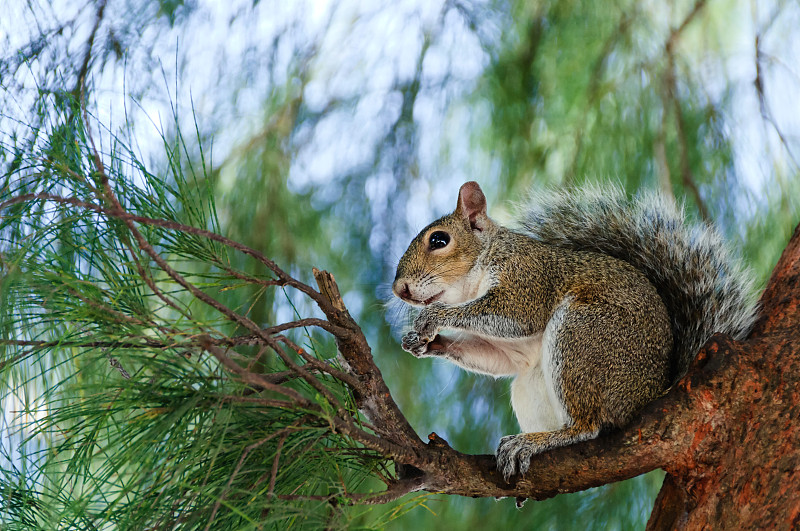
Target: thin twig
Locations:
point(221, 354)
point(258, 380)
point(252, 339)
point(273, 475)
point(393, 492)
point(321, 366)
point(766, 113)
point(39, 345)
point(80, 88)
point(256, 358)
point(283, 433)
point(145, 343)
point(283, 278)
point(266, 402)
point(687, 176)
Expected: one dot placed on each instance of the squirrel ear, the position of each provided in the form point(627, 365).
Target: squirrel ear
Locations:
point(472, 205)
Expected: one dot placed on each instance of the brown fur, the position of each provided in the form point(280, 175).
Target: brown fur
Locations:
point(605, 333)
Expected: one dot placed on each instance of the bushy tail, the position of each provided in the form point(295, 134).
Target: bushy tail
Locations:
point(703, 287)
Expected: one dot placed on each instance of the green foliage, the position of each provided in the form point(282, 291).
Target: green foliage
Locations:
point(582, 92)
point(144, 429)
point(138, 427)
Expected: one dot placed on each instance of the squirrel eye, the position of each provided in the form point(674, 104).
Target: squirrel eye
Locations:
point(438, 240)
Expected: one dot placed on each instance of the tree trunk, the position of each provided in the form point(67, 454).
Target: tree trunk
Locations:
point(742, 470)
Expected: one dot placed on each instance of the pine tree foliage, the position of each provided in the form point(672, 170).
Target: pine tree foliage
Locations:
point(120, 304)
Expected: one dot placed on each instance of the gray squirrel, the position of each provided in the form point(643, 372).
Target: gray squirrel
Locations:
point(595, 305)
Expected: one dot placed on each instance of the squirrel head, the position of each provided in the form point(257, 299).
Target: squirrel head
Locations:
point(441, 263)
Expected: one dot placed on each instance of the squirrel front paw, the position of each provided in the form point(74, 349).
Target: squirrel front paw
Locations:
point(416, 345)
point(422, 348)
point(514, 454)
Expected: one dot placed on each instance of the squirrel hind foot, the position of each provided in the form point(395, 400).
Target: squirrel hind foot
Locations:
point(515, 451)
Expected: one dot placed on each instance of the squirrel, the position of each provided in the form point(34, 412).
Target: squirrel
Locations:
point(596, 305)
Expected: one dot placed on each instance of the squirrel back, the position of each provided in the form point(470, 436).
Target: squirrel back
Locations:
point(704, 289)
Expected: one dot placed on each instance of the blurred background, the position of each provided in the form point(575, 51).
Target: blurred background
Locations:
point(335, 130)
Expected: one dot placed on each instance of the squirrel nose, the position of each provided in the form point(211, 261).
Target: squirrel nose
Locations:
point(401, 290)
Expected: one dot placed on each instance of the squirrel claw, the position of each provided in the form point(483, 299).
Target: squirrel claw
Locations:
point(416, 345)
point(514, 455)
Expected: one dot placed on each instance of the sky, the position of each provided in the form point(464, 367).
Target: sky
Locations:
point(231, 57)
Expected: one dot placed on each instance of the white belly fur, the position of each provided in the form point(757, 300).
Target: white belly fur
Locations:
point(530, 399)
point(533, 396)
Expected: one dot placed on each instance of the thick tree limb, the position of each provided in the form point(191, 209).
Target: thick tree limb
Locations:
point(375, 400)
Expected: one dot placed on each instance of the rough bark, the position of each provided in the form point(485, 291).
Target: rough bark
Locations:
point(743, 471)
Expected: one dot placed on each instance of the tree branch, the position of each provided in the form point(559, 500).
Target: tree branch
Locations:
point(668, 433)
point(284, 279)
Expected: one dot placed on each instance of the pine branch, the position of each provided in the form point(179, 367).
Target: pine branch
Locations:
point(284, 408)
point(658, 440)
